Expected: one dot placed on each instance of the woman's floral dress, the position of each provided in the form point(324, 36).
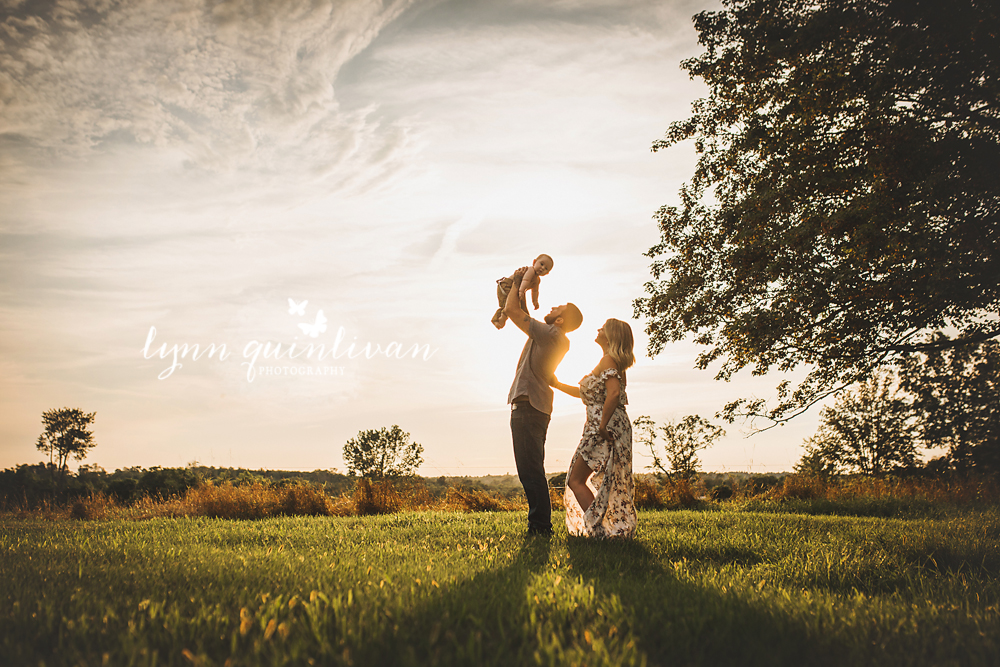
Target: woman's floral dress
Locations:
point(612, 513)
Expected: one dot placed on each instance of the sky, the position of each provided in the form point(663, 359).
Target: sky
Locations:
point(353, 174)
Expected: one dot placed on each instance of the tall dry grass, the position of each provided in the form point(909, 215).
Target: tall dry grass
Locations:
point(92, 506)
point(223, 501)
point(261, 500)
point(957, 491)
point(254, 501)
point(378, 497)
point(647, 495)
point(681, 493)
point(464, 499)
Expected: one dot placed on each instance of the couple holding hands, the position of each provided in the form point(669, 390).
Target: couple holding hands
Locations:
point(600, 491)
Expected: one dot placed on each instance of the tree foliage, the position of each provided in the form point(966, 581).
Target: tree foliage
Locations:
point(870, 430)
point(956, 398)
point(815, 464)
point(845, 203)
point(385, 452)
point(67, 433)
point(681, 443)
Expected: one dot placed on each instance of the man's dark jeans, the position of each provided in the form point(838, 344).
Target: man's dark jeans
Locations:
point(528, 427)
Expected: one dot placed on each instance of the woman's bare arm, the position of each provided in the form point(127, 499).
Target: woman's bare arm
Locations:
point(613, 387)
point(565, 388)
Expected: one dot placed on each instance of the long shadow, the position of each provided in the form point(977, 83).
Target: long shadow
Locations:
point(484, 620)
point(661, 604)
point(490, 619)
point(677, 622)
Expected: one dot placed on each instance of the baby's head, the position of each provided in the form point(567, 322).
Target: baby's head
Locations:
point(542, 265)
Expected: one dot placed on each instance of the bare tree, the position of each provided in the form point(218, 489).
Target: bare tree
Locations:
point(682, 442)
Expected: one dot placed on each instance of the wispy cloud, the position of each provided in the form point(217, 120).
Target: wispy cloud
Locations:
point(192, 164)
point(234, 85)
point(455, 230)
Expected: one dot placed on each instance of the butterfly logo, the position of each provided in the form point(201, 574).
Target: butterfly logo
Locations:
point(297, 308)
point(315, 329)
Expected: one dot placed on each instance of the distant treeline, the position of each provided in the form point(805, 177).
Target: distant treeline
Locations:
point(29, 485)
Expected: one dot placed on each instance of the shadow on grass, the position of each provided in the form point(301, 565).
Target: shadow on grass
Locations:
point(618, 604)
point(538, 601)
point(724, 555)
point(677, 622)
point(484, 620)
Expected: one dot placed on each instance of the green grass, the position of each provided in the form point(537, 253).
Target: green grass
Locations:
point(695, 588)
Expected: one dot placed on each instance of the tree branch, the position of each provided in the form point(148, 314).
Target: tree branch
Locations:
point(947, 343)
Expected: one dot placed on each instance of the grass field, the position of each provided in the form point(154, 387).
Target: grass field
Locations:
point(695, 588)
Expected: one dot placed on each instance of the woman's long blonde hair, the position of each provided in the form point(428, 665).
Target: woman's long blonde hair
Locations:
point(620, 344)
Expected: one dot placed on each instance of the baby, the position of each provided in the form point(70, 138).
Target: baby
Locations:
point(531, 281)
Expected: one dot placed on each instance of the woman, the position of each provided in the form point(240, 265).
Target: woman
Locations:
point(599, 487)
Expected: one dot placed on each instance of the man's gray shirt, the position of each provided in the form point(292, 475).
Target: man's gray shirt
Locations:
point(545, 348)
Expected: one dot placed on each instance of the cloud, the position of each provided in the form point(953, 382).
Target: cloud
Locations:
point(455, 230)
point(236, 85)
point(304, 125)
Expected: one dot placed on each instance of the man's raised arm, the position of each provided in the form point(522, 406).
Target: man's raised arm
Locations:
point(513, 306)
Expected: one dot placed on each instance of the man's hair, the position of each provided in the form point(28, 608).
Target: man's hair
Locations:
point(572, 318)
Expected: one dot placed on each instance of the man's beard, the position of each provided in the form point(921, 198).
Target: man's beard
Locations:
point(550, 318)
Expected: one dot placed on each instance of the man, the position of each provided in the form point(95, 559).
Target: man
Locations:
point(531, 398)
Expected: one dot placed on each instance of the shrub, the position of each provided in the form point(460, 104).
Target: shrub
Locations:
point(721, 492)
point(647, 496)
point(123, 490)
point(801, 487)
point(93, 506)
point(342, 505)
point(678, 493)
point(557, 497)
point(379, 497)
point(167, 482)
point(474, 500)
point(414, 494)
point(304, 500)
point(28, 485)
point(226, 501)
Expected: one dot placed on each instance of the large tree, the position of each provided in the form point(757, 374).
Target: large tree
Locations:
point(956, 397)
point(67, 433)
point(846, 201)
